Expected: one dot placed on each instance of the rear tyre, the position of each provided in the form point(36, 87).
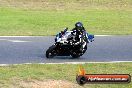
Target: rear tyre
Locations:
point(75, 54)
point(51, 52)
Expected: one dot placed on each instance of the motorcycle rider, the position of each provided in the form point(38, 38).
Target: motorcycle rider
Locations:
point(79, 30)
point(76, 32)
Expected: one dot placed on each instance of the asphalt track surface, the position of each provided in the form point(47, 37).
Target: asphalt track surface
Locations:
point(17, 50)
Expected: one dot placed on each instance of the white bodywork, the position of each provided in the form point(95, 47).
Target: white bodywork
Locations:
point(64, 37)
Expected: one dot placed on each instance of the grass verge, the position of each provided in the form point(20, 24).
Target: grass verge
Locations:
point(27, 22)
point(11, 75)
point(48, 17)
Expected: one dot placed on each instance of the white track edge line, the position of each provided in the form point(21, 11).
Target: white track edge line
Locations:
point(68, 63)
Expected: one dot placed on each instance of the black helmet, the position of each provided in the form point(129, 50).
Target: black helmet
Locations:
point(79, 25)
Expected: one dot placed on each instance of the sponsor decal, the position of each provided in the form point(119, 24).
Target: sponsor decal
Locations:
point(83, 78)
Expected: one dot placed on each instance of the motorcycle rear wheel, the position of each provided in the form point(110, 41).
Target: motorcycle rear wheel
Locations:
point(75, 55)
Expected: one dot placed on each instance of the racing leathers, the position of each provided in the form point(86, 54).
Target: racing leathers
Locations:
point(80, 35)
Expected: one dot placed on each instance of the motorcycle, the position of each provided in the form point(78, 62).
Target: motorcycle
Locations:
point(66, 45)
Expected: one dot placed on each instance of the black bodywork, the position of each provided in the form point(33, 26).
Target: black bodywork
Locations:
point(65, 50)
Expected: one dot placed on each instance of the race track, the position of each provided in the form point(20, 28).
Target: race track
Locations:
point(16, 50)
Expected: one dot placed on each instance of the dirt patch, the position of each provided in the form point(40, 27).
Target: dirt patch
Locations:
point(66, 4)
point(48, 84)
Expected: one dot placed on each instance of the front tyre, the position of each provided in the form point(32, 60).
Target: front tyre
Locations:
point(51, 52)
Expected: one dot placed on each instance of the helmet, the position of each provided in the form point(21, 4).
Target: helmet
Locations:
point(79, 25)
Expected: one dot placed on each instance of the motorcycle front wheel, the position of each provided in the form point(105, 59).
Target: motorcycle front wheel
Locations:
point(51, 52)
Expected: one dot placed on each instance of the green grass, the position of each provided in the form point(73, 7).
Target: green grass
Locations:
point(62, 72)
point(38, 17)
